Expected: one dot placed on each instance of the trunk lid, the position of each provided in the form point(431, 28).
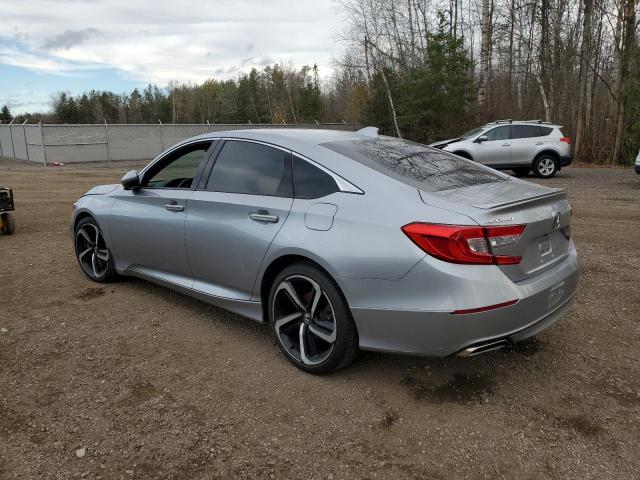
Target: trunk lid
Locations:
point(544, 211)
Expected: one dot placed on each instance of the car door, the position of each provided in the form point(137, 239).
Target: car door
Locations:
point(526, 140)
point(496, 149)
point(147, 223)
point(233, 218)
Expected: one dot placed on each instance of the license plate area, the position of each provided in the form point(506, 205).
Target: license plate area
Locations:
point(556, 294)
point(544, 247)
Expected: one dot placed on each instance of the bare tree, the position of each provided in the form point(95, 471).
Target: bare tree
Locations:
point(484, 52)
point(585, 60)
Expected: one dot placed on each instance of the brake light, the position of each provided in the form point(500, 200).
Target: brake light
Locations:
point(465, 244)
point(566, 140)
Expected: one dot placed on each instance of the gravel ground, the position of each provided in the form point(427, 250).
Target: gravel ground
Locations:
point(130, 380)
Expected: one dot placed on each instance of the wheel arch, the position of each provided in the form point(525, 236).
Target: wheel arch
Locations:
point(551, 153)
point(79, 216)
point(278, 264)
point(463, 154)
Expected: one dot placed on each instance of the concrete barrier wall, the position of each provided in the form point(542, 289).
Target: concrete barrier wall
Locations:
point(19, 143)
point(104, 143)
point(33, 135)
point(6, 147)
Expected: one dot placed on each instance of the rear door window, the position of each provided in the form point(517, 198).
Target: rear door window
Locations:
point(253, 169)
point(415, 164)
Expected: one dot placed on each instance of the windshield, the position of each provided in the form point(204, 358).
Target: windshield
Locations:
point(472, 133)
point(415, 164)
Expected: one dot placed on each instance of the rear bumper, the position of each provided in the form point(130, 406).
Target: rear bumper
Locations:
point(565, 160)
point(541, 302)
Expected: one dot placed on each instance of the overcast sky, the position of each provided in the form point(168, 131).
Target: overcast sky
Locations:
point(77, 45)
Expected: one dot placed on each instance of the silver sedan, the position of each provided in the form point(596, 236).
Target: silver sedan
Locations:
point(340, 241)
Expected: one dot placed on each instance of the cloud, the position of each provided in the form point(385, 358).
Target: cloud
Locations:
point(78, 45)
point(18, 57)
point(69, 39)
point(186, 41)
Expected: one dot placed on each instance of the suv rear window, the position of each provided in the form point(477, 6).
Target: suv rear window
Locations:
point(414, 164)
point(529, 131)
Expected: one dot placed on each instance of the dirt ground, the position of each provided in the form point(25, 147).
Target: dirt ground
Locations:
point(151, 384)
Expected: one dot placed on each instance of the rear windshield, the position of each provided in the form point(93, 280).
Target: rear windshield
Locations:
point(415, 164)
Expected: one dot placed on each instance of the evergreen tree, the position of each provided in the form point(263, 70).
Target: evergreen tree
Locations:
point(311, 98)
point(432, 100)
point(5, 115)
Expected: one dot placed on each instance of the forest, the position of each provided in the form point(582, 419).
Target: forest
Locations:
point(426, 70)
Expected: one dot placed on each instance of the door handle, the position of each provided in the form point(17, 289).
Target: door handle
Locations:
point(539, 143)
point(174, 207)
point(263, 216)
point(506, 144)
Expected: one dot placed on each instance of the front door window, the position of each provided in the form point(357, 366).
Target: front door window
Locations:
point(178, 170)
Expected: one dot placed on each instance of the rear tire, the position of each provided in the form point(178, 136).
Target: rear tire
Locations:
point(311, 320)
point(521, 171)
point(545, 166)
point(8, 224)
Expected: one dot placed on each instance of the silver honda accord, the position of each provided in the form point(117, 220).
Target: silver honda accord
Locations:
point(340, 241)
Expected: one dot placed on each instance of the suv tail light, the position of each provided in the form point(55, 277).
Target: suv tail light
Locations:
point(566, 140)
point(465, 244)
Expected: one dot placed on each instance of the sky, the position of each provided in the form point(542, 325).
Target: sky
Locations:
point(47, 46)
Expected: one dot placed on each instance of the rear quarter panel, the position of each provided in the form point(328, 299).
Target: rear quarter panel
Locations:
point(365, 240)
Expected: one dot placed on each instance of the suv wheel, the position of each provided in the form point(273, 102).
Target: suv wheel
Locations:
point(311, 320)
point(545, 166)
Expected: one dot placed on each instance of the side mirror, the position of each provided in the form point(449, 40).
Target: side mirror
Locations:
point(131, 180)
point(481, 138)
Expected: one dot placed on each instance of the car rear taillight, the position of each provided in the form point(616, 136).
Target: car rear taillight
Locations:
point(566, 140)
point(465, 244)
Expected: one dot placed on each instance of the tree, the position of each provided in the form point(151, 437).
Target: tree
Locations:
point(5, 115)
point(585, 61)
point(625, 54)
point(311, 105)
point(484, 52)
point(433, 98)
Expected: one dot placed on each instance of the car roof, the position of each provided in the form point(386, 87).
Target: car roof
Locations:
point(521, 122)
point(310, 143)
point(287, 135)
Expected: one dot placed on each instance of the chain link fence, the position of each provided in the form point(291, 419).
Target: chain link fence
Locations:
point(50, 143)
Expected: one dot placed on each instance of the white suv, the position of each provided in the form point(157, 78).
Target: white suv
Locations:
point(520, 146)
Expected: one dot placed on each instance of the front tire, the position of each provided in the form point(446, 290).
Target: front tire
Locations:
point(92, 252)
point(311, 320)
point(545, 166)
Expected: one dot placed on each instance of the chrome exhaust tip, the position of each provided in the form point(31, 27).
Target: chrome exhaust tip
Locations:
point(482, 348)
